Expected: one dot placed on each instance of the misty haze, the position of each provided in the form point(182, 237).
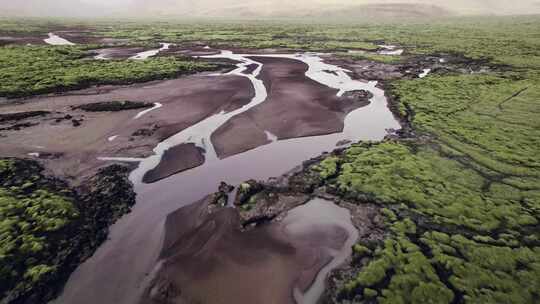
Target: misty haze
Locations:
point(267, 8)
point(269, 152)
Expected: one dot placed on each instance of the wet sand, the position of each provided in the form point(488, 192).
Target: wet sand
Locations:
point(87, 36)
point(176, 159)
point(296, 106)
point(207, 258)
point(185, 101)
point(18, 39)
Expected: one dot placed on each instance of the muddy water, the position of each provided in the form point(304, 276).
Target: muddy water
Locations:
point(57, 40)
point(117, 271)
point(390, 50)
point(304, 220)
point(277, 263)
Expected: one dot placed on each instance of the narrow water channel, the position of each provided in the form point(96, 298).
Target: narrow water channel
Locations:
point(118, 269)
point(150, 53)
point(57, 40)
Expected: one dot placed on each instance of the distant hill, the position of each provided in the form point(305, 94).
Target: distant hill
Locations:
point(290, 9)
point(54, 8)
point(252, 9)
point(372, 9)
point(389, 11)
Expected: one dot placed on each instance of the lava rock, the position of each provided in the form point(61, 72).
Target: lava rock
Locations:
point(21, 115)
point(246, 190)
point(361, 95)
point(113, 106)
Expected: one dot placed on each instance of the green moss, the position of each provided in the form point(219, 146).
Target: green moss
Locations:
point(458, 108)
point(411, 276)
point(327, 167)
point(370, 293)
point(30, 213)
point(361, 250)
point(374, 273)
point(431, 293)
point(487, 273)
point(468, 192)
point(427, 182)
point(42, 69)
point(46, 229)
point(36, 273)
point(362, 55)
point(389, 214)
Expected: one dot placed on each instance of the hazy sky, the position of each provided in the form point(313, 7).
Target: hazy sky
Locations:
point(253, 8)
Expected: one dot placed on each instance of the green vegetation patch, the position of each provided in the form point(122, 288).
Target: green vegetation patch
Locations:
point(492, 119)
point(461, 195)
point(43, 69)
point(504, 40)
point(33, 212)
point(445, 190)
point(443, 268)
point(404, 274)
point(466, 199)
point(47, 229)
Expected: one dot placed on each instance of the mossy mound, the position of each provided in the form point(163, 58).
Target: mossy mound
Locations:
point(48, 229)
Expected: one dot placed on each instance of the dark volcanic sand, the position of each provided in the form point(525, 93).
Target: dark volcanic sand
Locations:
point(174, 160)
point(296, 106)
point(83, 36)
point(17, 38)
point(206, 258)
point(185, 101)
point(86, 36)
point(365, 69)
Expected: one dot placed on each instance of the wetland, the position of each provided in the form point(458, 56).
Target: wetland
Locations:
point(270, 163)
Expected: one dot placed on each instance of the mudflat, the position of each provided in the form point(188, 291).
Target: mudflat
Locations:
point(207, 258)
point(70, 140)
point(296, 106)
point(190, 156)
